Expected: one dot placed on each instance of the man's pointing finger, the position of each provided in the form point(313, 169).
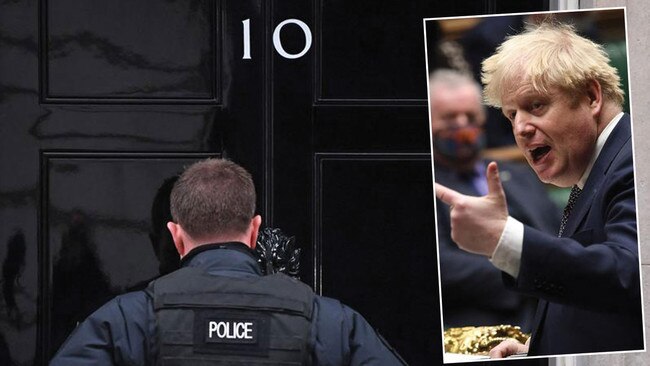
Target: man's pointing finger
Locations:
point(447, 195)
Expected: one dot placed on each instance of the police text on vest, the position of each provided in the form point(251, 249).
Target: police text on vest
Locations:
point(231, 331)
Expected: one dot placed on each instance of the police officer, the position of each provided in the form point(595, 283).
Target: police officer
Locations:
point(218, 308)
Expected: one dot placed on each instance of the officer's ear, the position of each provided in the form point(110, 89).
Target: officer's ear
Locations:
point(177, 236)
point(256, 222)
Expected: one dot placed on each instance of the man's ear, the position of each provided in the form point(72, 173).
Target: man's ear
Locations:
point(595, 95)
point(177, 235)
point(256, 222)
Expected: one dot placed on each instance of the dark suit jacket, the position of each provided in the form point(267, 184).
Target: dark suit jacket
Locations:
point(472, 288)
point(588, 281)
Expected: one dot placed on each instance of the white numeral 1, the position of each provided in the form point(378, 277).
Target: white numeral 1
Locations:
point(247, 39)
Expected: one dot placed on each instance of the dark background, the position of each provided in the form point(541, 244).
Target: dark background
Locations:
point(101, 101)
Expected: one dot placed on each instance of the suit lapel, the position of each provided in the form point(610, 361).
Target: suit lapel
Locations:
point(619, 136)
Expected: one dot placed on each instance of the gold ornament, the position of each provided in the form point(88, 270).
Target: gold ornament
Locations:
point(479, 340)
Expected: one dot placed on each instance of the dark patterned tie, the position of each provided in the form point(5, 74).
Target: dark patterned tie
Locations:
point(573, 197)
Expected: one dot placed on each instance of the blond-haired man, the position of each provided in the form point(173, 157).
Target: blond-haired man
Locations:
point(564, 103)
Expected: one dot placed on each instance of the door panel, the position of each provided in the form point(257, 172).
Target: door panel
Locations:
point(168, 53)
point(375, 247)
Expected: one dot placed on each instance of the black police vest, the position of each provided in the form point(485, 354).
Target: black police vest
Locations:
point(203, 319)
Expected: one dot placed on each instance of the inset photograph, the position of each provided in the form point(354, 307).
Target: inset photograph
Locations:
point(535, 189)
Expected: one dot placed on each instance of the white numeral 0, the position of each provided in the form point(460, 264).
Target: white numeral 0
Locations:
point(277, 43)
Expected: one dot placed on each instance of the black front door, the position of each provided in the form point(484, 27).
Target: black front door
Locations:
point(323, 101)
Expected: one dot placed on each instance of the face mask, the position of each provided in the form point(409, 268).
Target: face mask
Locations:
point(459, 144)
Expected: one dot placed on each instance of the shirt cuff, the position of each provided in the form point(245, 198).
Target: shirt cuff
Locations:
point(507, 254)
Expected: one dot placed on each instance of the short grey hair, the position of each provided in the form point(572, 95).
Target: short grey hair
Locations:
point(452, 79)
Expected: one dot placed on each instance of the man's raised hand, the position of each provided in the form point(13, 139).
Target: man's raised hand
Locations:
point(477, 222)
